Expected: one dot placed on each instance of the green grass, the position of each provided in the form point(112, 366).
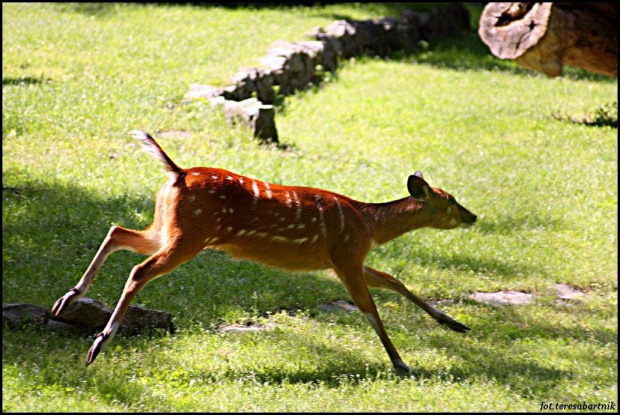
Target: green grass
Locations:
point(76, 79)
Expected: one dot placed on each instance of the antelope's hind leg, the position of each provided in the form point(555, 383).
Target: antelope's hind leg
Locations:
point(157, 265)
point(143, 242)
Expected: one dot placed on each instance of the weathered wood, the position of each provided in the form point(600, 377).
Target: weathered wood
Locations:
point(545, 36)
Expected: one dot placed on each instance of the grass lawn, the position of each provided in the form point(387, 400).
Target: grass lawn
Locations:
point(77, 79)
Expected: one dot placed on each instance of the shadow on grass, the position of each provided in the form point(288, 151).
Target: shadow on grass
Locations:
point(25, 80)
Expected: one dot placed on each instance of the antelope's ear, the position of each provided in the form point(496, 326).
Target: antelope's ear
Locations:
point(417, 186)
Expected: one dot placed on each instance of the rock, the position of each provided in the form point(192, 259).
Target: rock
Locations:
point(85, 315)
point(253, 113)
point(566, 292)
point(203, 91)
point(338, 305)
point(18, 315)
point(86, 312)
point(240, 328)
point(139, 319)
point(502, 297)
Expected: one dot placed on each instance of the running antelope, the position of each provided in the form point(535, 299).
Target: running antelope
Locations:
point(290, 227)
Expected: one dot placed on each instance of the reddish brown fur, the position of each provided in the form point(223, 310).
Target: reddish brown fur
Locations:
point(290, 227)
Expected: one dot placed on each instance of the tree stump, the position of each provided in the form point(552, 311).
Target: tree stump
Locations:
point(544, 36)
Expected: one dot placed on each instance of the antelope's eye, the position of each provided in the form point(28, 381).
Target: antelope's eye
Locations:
point(451, 202)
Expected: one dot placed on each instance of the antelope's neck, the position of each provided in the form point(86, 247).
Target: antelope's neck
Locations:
point(390, 220)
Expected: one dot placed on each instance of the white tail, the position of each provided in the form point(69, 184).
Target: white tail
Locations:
point(291, 227)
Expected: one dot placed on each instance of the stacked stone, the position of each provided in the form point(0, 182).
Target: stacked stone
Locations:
point(293, 66)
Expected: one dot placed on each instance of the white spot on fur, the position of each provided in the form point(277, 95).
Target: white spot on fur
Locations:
point(346, 238)
point(223, 210)
point(278, 238)
point(210, 191)
point(262, 234)
point(228, 229)
point(291, 226)
point(301, 226)
point(289, 201)
point(452, 222)
point(214, 177)
point(229, 178)
point(300, 240)
point(315, 238)
point(240, 180)
point(197, 212)
point(230, 210)
point(449, 210)
point(222, 197)
point(191, 198)
point(250, 233)
point(195, 173)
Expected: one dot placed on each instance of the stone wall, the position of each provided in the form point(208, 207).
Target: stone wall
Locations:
point(291, 66)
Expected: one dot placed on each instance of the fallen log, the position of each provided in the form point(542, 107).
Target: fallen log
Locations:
point(545, 36)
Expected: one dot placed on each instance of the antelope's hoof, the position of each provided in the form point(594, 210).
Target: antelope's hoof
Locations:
point(96, 348)
point(453, 324)
point(64, 301)
point(400, 366)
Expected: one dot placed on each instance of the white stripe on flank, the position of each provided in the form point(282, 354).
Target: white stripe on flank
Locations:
point(315, 238)
point(289, 201)
point(255, 188)
point(268, 189)
point(323, 227)
point(279, 238)
point(300, 240)
point(298, 210)
point(341, 214)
